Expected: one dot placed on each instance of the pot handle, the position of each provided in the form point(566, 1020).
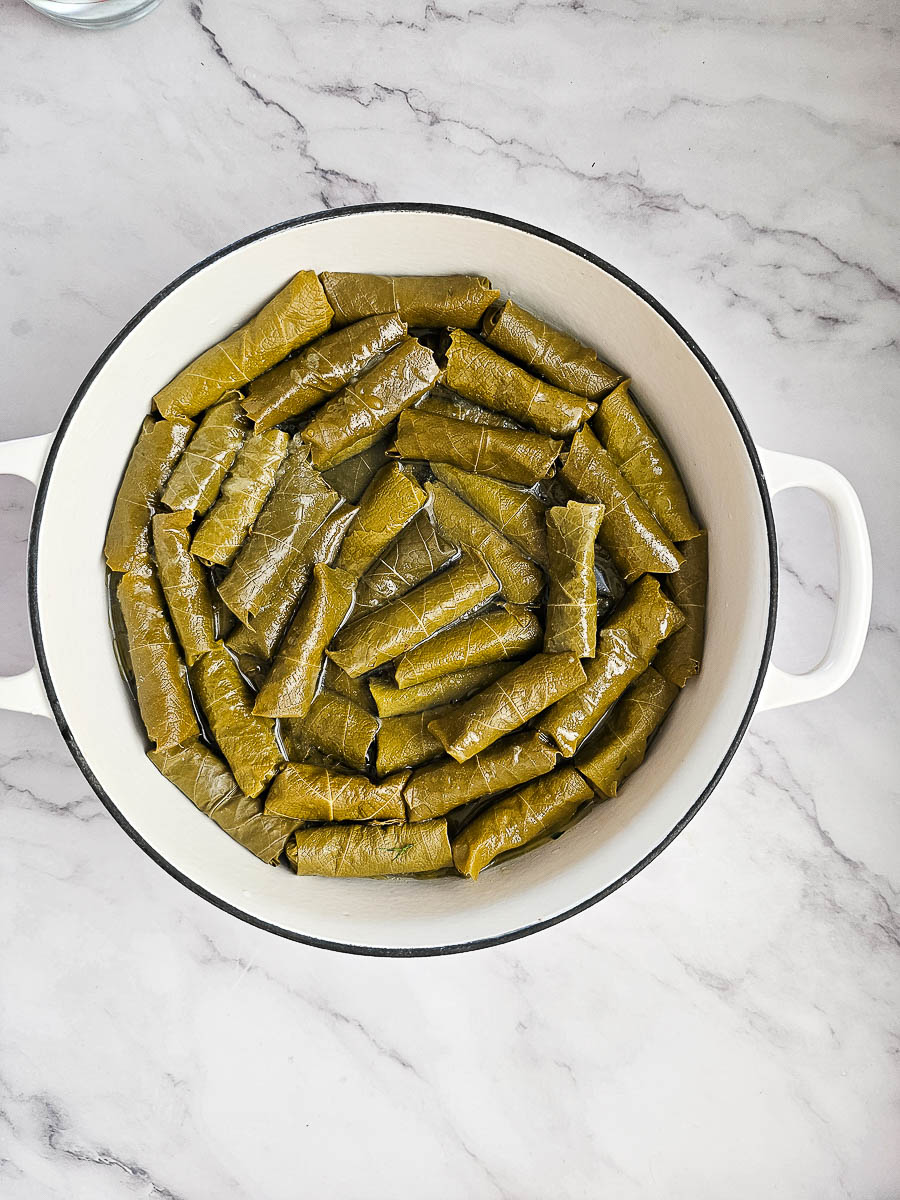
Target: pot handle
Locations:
point(25, 458)
point(854, 590)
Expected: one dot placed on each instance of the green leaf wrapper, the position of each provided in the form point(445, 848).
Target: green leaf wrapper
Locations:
point(516, 513)
point(545, 804)
point(371, 850)
point(629, 531)
point(159, 446)
point(413, 556)
point(363, 409)
point(337, 680)
point(392, 701)
point(421, 300)
point(520, 578)
point(406, 741)
point(247, 740)
point(241, 497)
point(397, 627)
point(159, 674)
point(306, 792)
point(622, 743)
point(483, 376)
point(625, 646)
point(203, 778)
point(436, 789)
point(490, 637)
point(352, 476)
point(194, 484)
point(571, 622)
point(681, 655)
point(550, 353)
point(185, 584)
point(298, 504)
point(296, 315)
point(389, 503)
point(291, 684)
point(337, 726)
point(501, 453)
point(444, 403)
point(507, 704)
point(642, 459)
point(320, 370)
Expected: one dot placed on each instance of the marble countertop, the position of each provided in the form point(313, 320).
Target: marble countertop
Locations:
point(726, 1024)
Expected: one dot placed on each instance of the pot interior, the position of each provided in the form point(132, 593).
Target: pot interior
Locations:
point(679, 396)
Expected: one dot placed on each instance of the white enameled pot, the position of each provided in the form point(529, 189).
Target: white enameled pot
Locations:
point(77, 682)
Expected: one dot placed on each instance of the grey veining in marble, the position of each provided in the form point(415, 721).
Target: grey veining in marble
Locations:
point(726, 1025)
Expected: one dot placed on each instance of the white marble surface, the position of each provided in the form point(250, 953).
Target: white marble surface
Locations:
point(726, 1024)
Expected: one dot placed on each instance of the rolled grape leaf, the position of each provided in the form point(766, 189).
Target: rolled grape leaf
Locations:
point(549, 352)
point(268, 627)
point(159, 674)
point(194, 484)
point(352, 476)
point(436, 789)
point(516, 513)
point(421, 300)
point(397, 627)
point(185, 584)
point(306, 792)
point(406, 741)
point(501, 453)
point(418, 552)
point(296, 315)
point(572, 598)
point(363, 409)
point(483, 376)
point(680, 656)
point(490, 637)
point(645, 463)
point(622, 743)
point(320, 370)
point(629, 531)
point(506, 705)
point(158, 448)
point(520, 578)
point(390, 501)
point(392, 701)
point(337, 680)
point(241, 498)
point(291, 684)
point(337, 726)
point(370, 850)
point(247, 740)
point(625, 646)
point(545, 804)
point(444, 403)
point(298, 504)
point(203, 778)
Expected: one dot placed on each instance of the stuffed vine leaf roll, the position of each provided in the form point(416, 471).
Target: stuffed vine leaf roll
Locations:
point(241, 498)
point(406, 741)
point(645, 463)
point(392, 701)
point(438, 788)
point(306, 792)
point(291, 684)
point(364, 408)
point(158, 448)
point(320, 370)
point(680, 657)
point(185, 584)
point(397, 627)
point(625, 646)
point(353, 475)
point(501, 453)
point(507, 704)
point(549, 352)
point(629, 532)
point(415, 554)
point(516, 513)
point(296, 315)
point(203, 778)
point(390, 501)
point(545, 804)
point(160, 680)
point(194, 484)
point(571, 622)
point(485, 377)
point(421, 300)
point(445, 403)
point(490, 637)
point(337, 726)
point(370, 850)
point(622, 743)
